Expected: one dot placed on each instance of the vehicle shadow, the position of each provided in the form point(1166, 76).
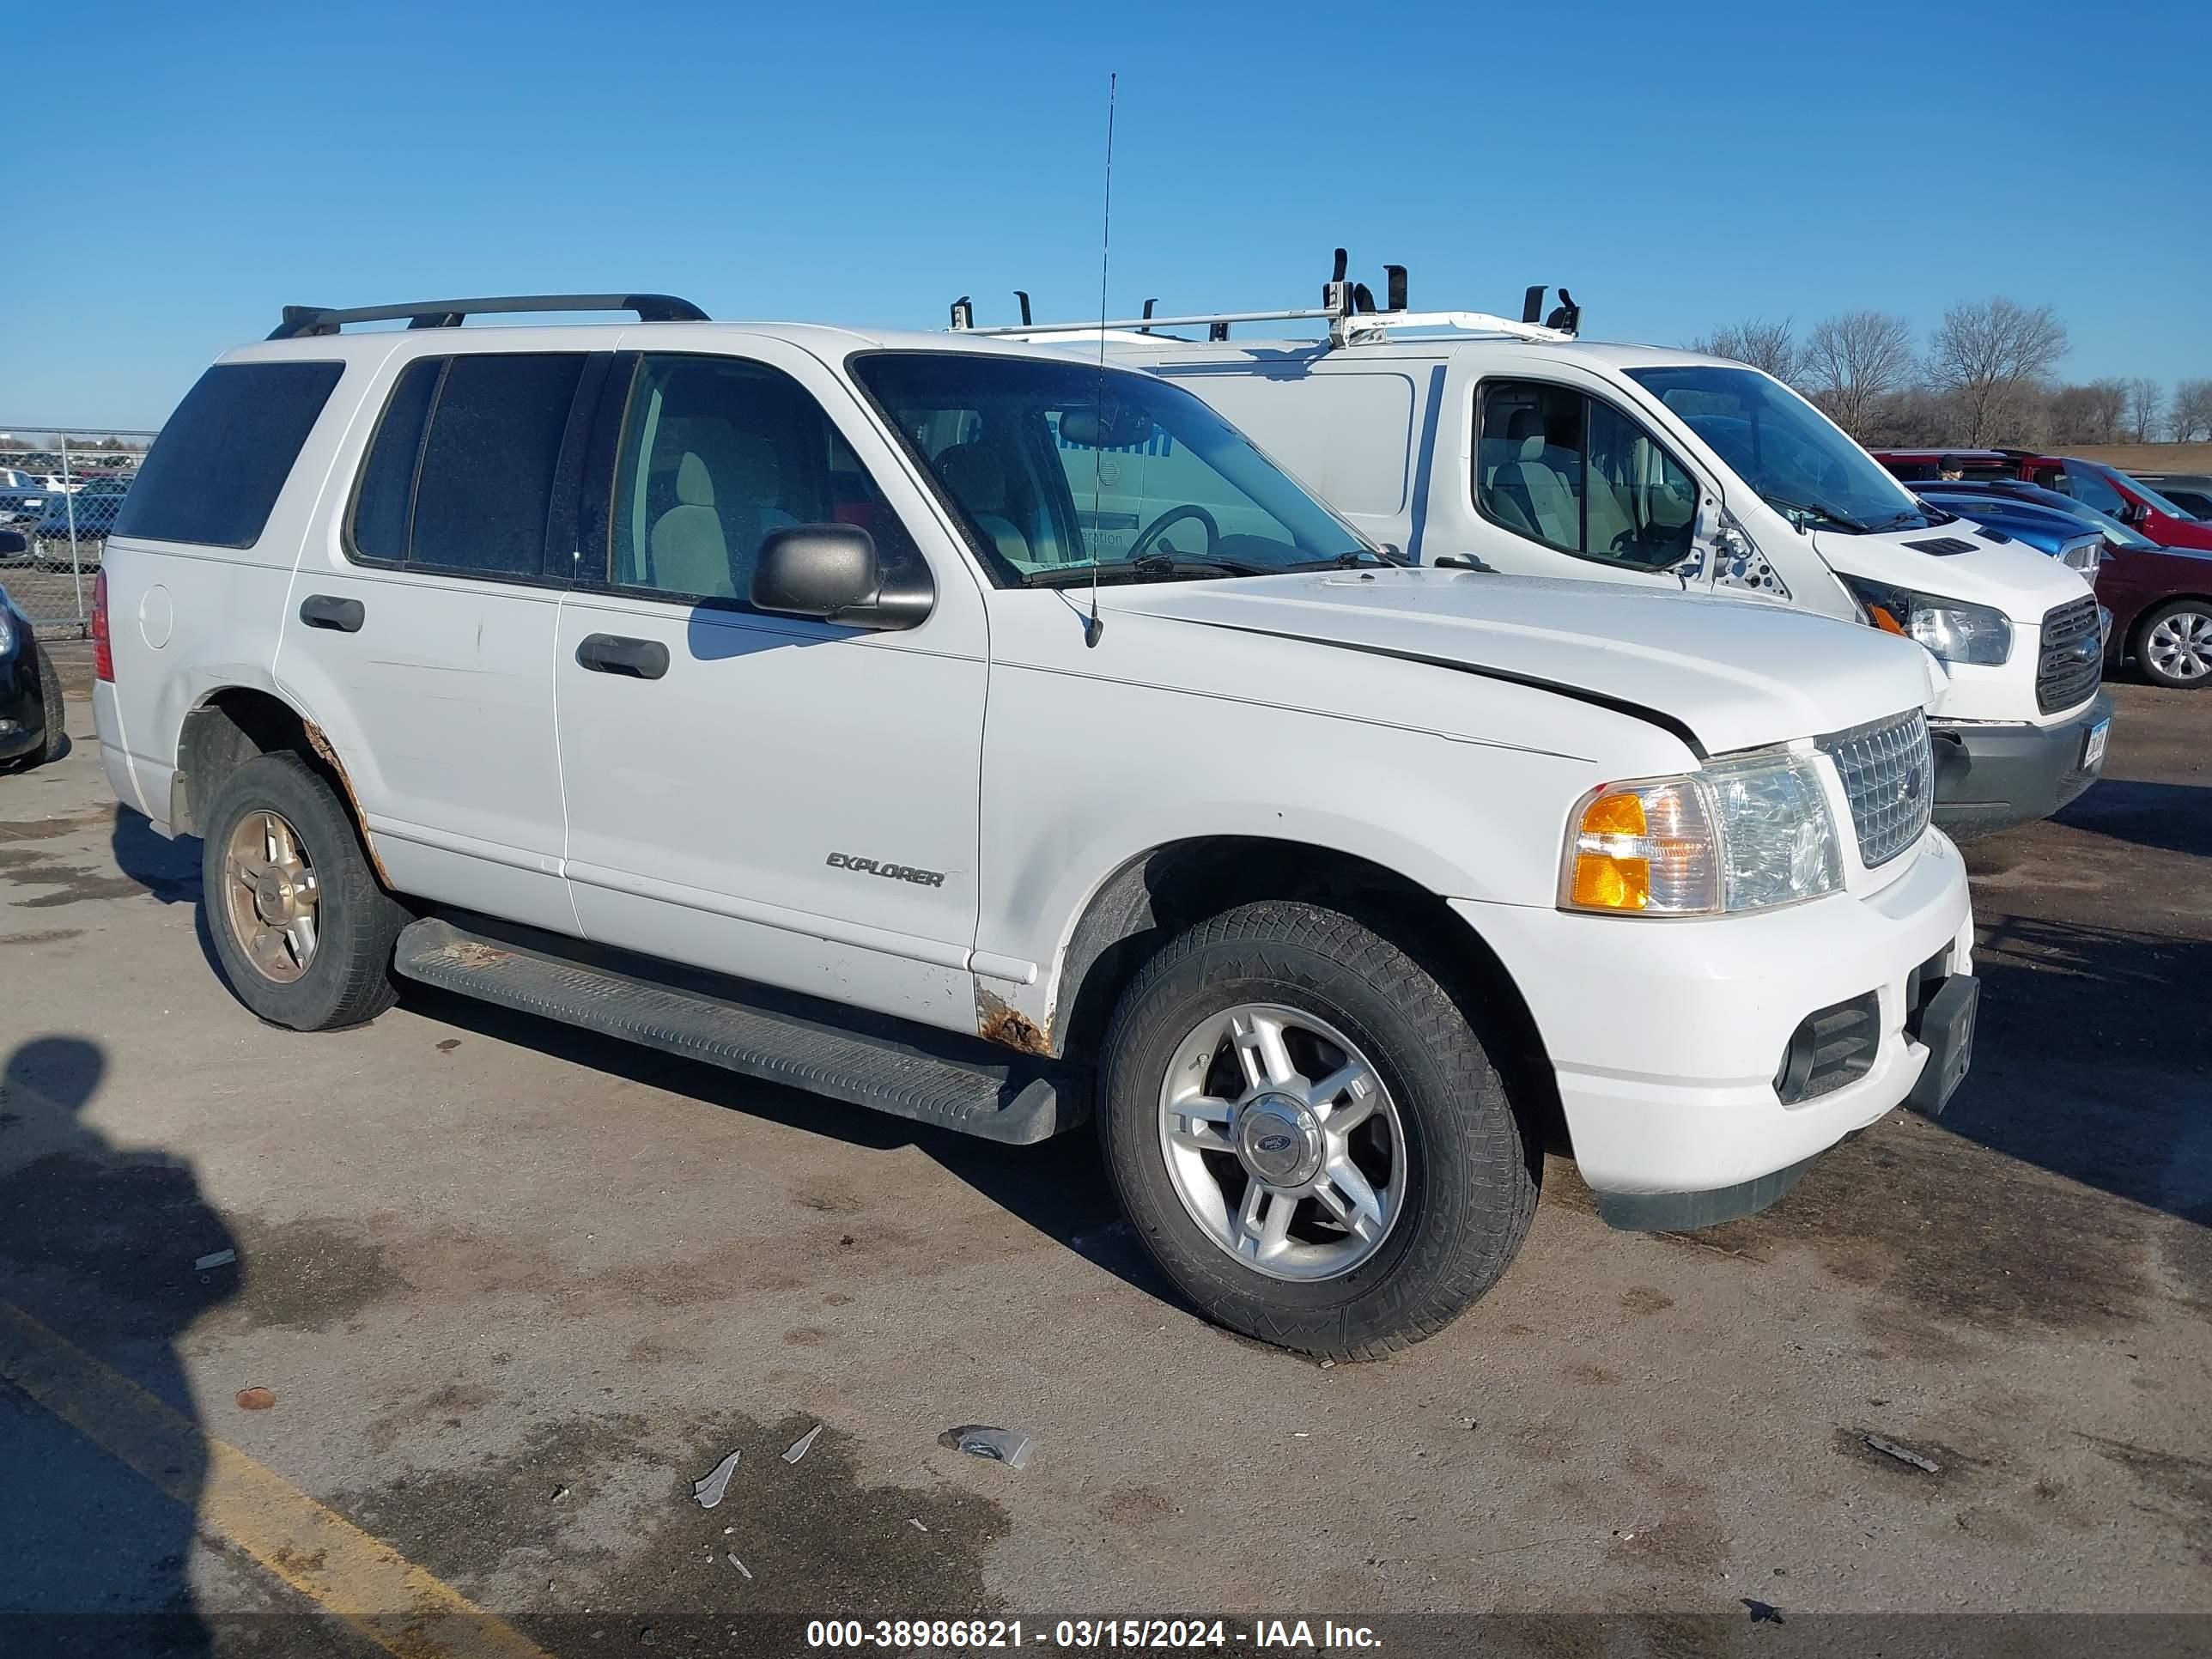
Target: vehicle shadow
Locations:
point(1058, 1187)
point(2172, 817)
point(98, 1243)
point(2089, 1059)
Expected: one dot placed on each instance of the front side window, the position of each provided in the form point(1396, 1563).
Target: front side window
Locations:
point(460, 475)
point(718, 453)
point(1794, 457)
point(2088, 487)
point(1061, 471)
point(1576, 474)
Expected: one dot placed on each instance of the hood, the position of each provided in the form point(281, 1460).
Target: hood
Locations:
point(2022, 582)
point(1730, 674)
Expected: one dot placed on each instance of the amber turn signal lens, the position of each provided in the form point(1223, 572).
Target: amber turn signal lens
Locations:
point(1882, 619)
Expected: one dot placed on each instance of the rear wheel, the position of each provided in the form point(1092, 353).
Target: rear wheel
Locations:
point(2176, 644)
point(1307, 1132)
point(304, 932)
point(52, 710)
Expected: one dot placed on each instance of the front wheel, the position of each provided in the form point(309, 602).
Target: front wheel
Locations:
point(1307, 1134)
point(304, 933)
point(2176, 644)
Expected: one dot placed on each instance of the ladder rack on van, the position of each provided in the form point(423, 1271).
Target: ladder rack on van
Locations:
point(301, 321)
point(1348, 307)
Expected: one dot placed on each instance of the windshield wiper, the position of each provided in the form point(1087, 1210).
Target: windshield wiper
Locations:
point(1159, 567)
point(1834, 517)
point(1350, 560)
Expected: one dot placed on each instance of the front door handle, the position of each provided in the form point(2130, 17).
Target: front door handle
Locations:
point(611, 654)
point(327, 610)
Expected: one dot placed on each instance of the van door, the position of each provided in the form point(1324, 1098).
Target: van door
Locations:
point(781, 798)
point(1565, 485)
point(420, 634)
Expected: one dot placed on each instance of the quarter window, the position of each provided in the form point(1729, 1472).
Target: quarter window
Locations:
point(213, 477)
point(461, 474)
point(1576, 474)
point(718, 453)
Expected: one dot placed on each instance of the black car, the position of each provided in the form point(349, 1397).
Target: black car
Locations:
point(30, 690)
point(2189, 491)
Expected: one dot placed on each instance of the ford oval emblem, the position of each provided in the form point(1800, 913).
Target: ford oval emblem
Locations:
point(1273, 1143)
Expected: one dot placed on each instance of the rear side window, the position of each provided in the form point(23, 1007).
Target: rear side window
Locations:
point(214, 475)
point(460, 475)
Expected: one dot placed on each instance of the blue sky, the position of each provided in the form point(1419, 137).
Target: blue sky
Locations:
point(190, 170)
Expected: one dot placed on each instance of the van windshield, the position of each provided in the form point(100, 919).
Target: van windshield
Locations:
point(1061, 470)
point(1800, 462)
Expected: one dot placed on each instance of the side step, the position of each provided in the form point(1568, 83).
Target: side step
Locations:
point(998, 1103)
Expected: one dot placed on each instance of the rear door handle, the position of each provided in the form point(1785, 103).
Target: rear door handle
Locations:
point(611, 654)
point(327, 610)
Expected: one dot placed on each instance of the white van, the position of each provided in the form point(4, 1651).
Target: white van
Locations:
point(763, 693)
point(1449, 435)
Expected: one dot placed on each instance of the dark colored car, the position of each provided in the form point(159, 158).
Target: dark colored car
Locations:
point(23, 498)
point(90, 510)
point(30, 690)
point(2191, 490)
point(1976, 465)
point(2063, 531)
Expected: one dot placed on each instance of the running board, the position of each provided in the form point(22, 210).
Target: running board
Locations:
point(998, 1103)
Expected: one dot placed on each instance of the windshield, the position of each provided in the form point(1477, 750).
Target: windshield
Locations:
point(2108, 477)
point(1061, 470)
point(1798, 460)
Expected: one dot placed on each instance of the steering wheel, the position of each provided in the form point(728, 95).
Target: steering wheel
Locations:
point(1152, 532)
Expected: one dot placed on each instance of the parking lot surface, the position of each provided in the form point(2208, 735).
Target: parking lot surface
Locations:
point(514, 1288)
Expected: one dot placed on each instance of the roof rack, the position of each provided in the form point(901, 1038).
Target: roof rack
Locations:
point(1348, 307)
point(301, 321)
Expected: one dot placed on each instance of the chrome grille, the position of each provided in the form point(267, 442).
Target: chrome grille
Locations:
point(1889, 778)
point(2073, 659)
point(2084, 555)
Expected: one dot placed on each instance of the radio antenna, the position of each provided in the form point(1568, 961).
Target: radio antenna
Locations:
point(1094, 628)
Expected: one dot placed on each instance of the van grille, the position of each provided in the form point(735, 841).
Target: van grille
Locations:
point(1889, 778)
point(2073, 659)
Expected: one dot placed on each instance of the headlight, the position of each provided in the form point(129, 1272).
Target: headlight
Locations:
point(7, 633)
point(1742, 834)
point(1951, 628)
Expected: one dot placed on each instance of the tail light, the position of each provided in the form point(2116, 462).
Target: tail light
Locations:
point(103, 655)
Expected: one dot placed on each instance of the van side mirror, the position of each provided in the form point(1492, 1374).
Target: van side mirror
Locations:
point(2134, 512)
point(831, 571)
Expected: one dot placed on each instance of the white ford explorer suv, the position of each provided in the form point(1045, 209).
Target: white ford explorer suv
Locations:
point(754, 692)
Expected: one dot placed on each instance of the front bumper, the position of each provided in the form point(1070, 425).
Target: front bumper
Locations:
point(1666, 1037)
point(22, 710)
point(1992, 776)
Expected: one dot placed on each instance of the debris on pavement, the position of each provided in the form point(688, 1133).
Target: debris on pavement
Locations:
point(1904, 1454)
point(981, 1440)
point(799, 1447)
point(1763, 1613)
point(916, 1524)
point(742, 1568)
point(559, 1492)
point(709, 1491)
point(219, 1259)
point(255, 1399)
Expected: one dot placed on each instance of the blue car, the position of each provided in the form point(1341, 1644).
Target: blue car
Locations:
point(30, 693)
point(90, 510)
point(2065, 533)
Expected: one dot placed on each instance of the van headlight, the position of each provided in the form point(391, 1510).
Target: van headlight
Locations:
point(1738, 836)
point(1951, 629)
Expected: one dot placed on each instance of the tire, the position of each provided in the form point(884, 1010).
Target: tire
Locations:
point(2173, 646)
point(51, 709)
point(343, 976)
point(1460, 1167)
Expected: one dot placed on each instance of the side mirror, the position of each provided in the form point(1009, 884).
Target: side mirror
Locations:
point(2134, 512)
point(831, 571)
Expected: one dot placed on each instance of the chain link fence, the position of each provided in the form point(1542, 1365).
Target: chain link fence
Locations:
point(59, 492)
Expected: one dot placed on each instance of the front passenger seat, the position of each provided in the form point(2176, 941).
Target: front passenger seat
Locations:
point(977, 479)
point(689, 553)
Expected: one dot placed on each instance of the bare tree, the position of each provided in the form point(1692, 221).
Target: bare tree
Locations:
point(1770, 346)
point(2192, 411)
point(2145, 402)
point(1990, 358)
point(1853, 361)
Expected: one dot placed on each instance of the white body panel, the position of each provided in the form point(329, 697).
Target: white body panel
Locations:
point(1438, 725)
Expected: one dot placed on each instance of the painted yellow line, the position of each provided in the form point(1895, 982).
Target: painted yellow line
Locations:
point(315, 1550)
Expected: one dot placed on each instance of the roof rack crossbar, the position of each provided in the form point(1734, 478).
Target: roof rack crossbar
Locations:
point(1316, 314)
point(1360, 325)
point(302, 321)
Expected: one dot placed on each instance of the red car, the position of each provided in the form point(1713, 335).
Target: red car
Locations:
point(2158, 589)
